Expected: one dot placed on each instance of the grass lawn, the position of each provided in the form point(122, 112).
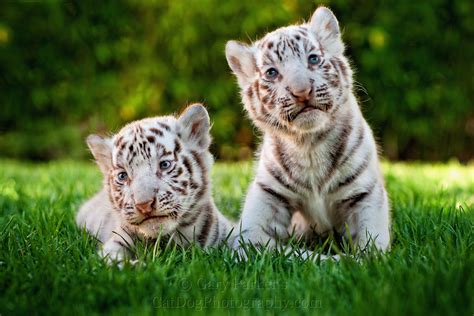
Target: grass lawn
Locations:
point(48, 266)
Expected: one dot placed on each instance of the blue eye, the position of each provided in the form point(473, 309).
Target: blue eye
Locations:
point(165, 164)
point(271, 73)
point(313, 59)
point(122, 176)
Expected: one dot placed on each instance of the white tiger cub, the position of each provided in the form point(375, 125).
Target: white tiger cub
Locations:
point(318, 155)
point(156, 181)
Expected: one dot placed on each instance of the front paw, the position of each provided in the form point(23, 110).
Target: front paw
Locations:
point(299, 226)
point(112, 253)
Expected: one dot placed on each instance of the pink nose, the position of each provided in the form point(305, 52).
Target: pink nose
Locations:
point(145, 207)
point(302, 95)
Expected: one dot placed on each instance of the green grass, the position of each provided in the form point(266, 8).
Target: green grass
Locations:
point(48, 266)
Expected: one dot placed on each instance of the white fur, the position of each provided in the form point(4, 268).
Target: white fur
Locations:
point(182, 191)
point(309, 152)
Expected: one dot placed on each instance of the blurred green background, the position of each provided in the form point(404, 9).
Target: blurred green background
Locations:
point(70, 68)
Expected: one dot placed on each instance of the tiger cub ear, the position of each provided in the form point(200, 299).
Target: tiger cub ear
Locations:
point(101, 149)
point(194, 125)
point(241, 60)
point(324, 25)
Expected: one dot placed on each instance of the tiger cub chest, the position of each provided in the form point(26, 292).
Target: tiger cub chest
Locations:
point(316, 203)
point(317, 211)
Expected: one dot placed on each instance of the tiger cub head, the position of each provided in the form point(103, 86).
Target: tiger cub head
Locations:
point(156, 169)
point(295, 78)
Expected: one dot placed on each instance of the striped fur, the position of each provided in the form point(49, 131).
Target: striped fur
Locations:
point(318, 155)
point(156, 181)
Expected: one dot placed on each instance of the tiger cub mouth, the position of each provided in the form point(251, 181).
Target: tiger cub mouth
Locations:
point(159, 217)
point(309, 108)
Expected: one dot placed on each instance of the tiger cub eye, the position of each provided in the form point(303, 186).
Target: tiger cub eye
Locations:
point(313, 59)
point(165, 164)
point(122, 176)
point(271, 73)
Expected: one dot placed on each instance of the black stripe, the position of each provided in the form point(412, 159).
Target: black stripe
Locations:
point(336, 67)
point(271, 192)
point(271, 232)
point(356, 198)
point(357, 172)
point(282, 160)
point(276, 174)
point(165, 126)
point(178, 189)
point(118, 141)
point(336, 155)
point(190, 218)
point(178, 173)
point(216, 231)
point(360, 138)
point(353, 200)
point(156, 131)
point(187, 165)
point(200, 163)
point(344, 136)
point(321, 136)
point(191, 221)
point(174, 215)
point(204, 181)
point(342, 68)
point(177, 146)
point(202, 238)
point(172, 169)
point(244, 231)
point(121, 243)
point(277, 217)
point(151, 139)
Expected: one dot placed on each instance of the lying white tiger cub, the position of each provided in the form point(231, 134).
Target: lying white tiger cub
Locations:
point(156, 180)
point(318, 155)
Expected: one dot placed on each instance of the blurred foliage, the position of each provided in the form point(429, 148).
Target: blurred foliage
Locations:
point(71, 68)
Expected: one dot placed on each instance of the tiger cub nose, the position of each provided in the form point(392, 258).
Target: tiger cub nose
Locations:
point(145, 207)
point(302, 95)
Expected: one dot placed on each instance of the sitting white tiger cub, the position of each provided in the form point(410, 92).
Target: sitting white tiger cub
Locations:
point(156, 181)
point(318, 155)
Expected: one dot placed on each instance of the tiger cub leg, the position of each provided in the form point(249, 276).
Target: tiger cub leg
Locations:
point(265, 217)
point(265, 221)
point(369, 222)
point(102, 222)
point(116, 248)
